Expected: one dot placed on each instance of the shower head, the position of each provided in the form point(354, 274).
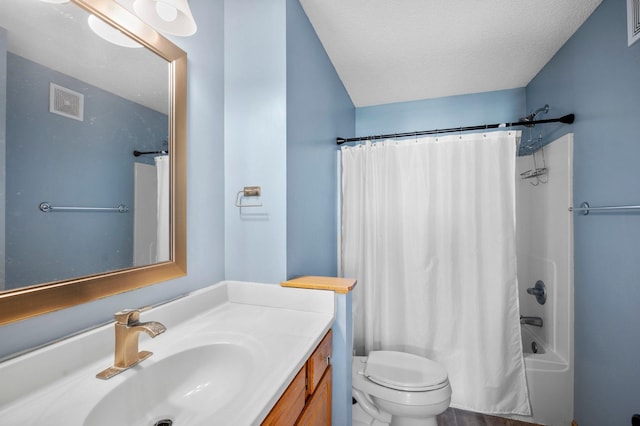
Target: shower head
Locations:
point(532, 116)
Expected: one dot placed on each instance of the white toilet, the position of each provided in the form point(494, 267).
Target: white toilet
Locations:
point(399, 389)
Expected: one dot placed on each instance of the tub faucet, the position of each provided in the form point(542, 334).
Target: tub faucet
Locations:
point(128, 327)
point(535, 321)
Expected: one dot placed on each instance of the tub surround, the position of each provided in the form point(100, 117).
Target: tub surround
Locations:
point(545, 252)
point(279, 328)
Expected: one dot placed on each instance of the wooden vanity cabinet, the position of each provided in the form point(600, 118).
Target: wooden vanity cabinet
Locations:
point(307, 400)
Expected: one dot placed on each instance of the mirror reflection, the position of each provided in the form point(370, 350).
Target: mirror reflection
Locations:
point(73, 109)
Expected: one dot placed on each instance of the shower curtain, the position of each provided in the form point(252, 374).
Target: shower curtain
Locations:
point(162, 242)
point(428, 230)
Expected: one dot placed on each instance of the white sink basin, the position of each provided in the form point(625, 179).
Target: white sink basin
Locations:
point(186, 388)
point(229, 352)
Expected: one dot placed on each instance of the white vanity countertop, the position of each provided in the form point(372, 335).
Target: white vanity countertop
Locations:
point(280, 327)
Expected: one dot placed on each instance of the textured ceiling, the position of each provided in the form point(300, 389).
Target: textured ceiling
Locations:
point(401, 50)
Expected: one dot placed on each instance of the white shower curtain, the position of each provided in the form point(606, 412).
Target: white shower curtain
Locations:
point(162, 242)
point(428, 229)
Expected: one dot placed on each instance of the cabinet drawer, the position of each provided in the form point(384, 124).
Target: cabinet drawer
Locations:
point(318, 363)
point(290, 404)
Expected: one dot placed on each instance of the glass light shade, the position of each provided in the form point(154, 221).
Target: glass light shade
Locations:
point(167, 16)
point(110, 34)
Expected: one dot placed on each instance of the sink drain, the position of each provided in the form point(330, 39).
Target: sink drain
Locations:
point(163, 422)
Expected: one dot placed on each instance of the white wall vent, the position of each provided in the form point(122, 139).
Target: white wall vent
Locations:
point(633, 20)
point(66, 102)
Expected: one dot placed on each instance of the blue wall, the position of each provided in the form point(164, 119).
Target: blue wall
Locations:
point(596, 76)
point(67, 162)
point(284, 107)
point(205, 195)
point(318, 110)
point(448, 112)
point(256, 138)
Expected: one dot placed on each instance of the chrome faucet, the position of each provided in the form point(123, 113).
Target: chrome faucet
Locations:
point(128, 326)
point(535, 321)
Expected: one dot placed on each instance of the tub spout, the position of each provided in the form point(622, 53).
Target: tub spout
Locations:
point(535, 321)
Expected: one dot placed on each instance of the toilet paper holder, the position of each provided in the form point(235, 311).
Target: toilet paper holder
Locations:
point(248, 191)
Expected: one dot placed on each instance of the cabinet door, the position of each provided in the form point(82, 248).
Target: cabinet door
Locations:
point(317, 412)
point(318, 362)
point(290, 404)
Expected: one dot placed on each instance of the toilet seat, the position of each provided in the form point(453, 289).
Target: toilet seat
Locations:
point(403, 371)
point(381, 394)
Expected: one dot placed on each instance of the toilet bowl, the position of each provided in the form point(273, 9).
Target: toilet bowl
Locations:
point(400, 389)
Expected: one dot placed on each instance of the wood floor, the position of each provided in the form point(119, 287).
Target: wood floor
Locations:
point(454, 417)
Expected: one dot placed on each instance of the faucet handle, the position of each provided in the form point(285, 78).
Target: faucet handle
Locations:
point(130, 316)
point(127, 316)
point(539, 291)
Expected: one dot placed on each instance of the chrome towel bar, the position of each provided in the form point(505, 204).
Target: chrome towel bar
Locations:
point(48, 208)
point(585, 208)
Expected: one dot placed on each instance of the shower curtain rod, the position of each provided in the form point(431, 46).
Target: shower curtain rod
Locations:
point(567, 119)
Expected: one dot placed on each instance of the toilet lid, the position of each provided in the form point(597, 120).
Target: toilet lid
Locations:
point(403, 371)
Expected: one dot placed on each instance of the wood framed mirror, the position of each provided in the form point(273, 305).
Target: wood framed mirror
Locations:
point(36, 299)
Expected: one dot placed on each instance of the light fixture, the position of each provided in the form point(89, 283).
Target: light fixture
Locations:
point(55, 1)
point(167, 16)
point(110, 34)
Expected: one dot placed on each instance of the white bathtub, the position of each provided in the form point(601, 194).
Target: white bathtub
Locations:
point(550, 383)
